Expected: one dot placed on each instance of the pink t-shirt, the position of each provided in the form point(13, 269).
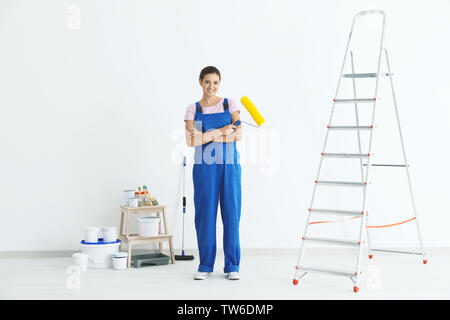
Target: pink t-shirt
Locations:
point(218, 108)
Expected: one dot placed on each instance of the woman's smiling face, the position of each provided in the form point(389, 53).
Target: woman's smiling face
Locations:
point(210, 84)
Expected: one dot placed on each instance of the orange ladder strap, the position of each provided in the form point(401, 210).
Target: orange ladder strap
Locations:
point(391, 225)
point(381, 226)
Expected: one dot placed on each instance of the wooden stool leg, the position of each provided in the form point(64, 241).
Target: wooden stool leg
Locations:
point(127, 225)
point(159, 232)
point(121, 223)
point(171, 251)
point(165, 222)
point(129, 255)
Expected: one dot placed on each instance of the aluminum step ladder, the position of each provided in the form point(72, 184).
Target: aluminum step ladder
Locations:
point(301, 269)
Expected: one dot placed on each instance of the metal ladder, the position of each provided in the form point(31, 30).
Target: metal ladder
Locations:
point(300, 269)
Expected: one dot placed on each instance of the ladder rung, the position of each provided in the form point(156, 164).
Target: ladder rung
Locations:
point(335, 272)
point(387, 165)
point(350, 127)
point(341, 183)
point(336, 212)
point(354, 100)
point(351, 243)
point(345, 155)
point(395, 251)
point(365, 75)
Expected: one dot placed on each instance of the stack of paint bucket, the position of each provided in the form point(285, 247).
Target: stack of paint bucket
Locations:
point(101, 251)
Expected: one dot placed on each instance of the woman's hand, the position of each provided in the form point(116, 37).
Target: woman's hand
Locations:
point(226, 130)
point(228, 133)
point(197, 138)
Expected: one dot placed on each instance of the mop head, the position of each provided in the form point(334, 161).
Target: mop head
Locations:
point(259, 120)
point(184, 257)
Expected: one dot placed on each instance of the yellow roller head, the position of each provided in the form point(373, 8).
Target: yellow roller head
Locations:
point(252, 110)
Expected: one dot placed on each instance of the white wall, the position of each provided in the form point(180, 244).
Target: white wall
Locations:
point(90, 111)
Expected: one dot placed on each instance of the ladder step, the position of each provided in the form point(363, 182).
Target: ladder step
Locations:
point(353, 213)
point(354, 100)
point(335, 272)
point(341, 183)
point(350, 127)
point(365, 75)
point(345, 155)
point(387, 165)
point(395, 251)
point(351, 243)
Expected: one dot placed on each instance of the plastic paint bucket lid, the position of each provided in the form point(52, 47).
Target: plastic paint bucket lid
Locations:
point(148, 219)
point(118, 255)
point(100, 242)
point(90, 228)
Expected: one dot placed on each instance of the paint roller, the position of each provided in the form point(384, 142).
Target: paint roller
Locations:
point(259, 120)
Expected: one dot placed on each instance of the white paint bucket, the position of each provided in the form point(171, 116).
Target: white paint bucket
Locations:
point(109, 234)
point(119, 260)
point(133, 202)
point(81, 260)
point(91, 234)
point(127, 194)
point(100, 253)
point(148, 226)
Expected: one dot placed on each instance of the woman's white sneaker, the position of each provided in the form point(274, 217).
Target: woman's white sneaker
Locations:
point(234, 275)
point(201, 275)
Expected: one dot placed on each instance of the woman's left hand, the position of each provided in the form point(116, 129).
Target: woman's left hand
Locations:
point(226, 130)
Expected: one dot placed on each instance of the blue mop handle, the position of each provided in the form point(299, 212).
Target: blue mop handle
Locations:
point(184, 196)
point(184, 202)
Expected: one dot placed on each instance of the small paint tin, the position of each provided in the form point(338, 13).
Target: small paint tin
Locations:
point(134, 202)
point(127, 194)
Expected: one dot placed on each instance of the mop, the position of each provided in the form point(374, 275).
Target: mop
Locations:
point(183, 256)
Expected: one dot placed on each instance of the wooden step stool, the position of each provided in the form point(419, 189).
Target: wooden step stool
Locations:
point(133, 239)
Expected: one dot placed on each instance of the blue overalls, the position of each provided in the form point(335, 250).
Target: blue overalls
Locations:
point(217, 176)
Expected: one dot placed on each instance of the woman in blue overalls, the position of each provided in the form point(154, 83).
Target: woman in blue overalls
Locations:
point(216, 174)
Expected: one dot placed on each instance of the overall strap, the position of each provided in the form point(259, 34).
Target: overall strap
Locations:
point(196, 117)
point(225, 104)
point(198, 107)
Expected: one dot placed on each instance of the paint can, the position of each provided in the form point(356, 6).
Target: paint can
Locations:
point(127, 194)
point(119, 260)
point(81, 260)
point(100, 253)
point(148, 226)
point(109, 234)
point(134, 202)
point(91, 234)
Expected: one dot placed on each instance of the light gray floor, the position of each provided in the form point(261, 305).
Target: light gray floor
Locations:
point(266, 274)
